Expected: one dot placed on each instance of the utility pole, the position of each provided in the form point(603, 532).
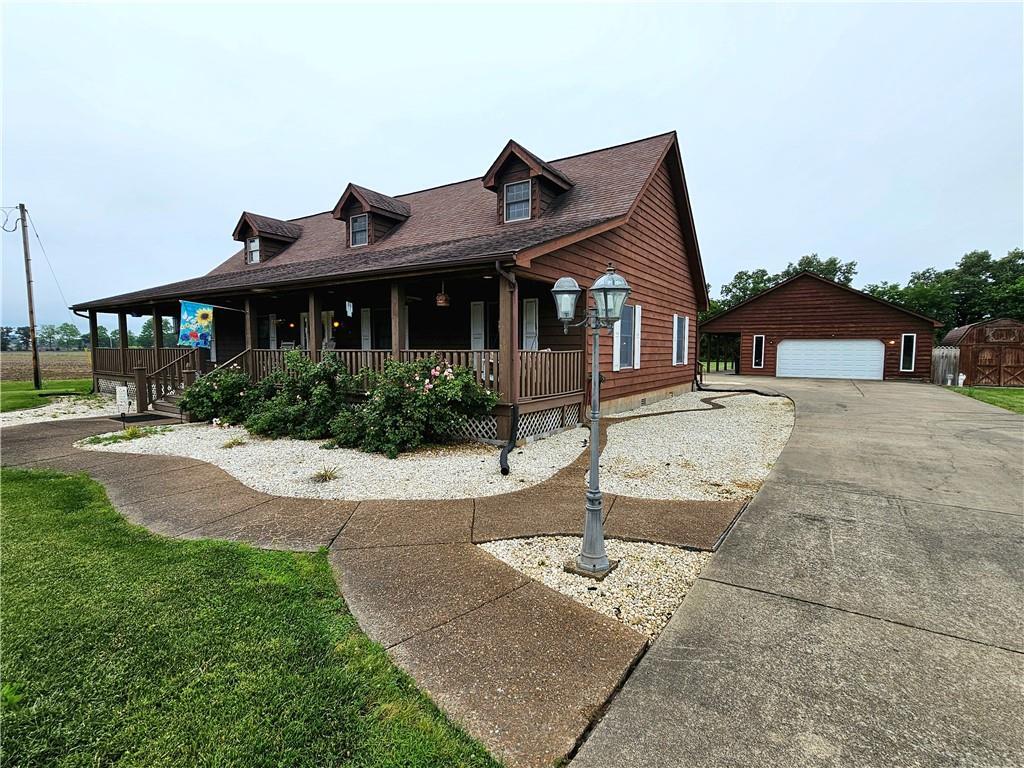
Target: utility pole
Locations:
point(37, 379)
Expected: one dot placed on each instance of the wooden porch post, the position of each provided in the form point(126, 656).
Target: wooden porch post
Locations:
point(122, 329)
point(94, 340)
point(508, 352)
point(398, 340)
point(251, 335)
point(314, 336)
point(158, 333)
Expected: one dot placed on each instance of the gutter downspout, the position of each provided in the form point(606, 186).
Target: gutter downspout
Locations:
point(510, 278)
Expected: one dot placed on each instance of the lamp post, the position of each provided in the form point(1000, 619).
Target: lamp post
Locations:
point(609, 292)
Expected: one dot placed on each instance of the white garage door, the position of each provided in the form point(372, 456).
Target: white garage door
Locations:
point(830, 358)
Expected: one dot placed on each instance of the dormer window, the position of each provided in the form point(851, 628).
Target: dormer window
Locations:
point(517, 200)
point(252, 250)
point(359, 229)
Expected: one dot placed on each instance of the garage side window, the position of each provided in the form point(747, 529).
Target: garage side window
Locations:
point(908, 351)
point(758, 361)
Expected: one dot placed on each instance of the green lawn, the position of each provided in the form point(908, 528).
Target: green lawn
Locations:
point(15, 395)
point(1010, 398)
point(123, 647)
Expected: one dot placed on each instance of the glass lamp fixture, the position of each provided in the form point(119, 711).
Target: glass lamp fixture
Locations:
point(441, 299)
point(610, 291)
point(567, 293)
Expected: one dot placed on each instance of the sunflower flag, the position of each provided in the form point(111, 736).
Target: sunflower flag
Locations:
point(196, 325)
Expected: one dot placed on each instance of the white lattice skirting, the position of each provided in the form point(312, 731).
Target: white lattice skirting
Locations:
point(546, 422)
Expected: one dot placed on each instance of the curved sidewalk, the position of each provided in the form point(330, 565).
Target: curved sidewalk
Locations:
point(867, 609)
point(522, 667)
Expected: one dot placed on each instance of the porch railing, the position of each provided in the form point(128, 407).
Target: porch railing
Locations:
point(549, 374)
point(170, 378)
point(542, 373)
point(123, 362)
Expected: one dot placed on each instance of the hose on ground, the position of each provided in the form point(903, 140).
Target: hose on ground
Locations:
point(514, 430)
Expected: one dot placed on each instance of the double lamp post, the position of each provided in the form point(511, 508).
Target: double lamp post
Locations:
point(609, 292)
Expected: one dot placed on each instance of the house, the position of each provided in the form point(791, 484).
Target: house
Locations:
point(811, 327)
point(465, 270)
point(991, 352)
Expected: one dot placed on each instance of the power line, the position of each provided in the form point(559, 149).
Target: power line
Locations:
point(47, 258)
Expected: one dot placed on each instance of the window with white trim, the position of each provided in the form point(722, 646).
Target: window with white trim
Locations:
point(252, 250)
point(517, 200)
point(359, 229)
point(626, 339)
point(908, 351)
point(758, 357)
point(680, 340)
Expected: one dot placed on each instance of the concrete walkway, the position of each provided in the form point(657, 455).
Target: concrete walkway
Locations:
point(523, 668)
point(866, 610)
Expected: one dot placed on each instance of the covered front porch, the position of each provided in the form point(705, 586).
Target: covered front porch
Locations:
point(501, 326)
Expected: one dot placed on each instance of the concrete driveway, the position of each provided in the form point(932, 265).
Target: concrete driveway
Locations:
point(866, 610)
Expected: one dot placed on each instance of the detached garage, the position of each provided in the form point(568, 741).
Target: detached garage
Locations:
point(810, 327)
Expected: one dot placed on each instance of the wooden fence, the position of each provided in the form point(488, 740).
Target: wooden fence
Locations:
point(945, 365)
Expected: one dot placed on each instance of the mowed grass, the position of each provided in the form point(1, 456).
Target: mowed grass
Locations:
point(124, 648)
point(1010, 398)
point(16, 395)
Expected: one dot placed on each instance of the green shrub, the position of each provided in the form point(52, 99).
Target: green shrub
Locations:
point(407, 404)
point(227, 395)
point(412, 403)
point(311, 395)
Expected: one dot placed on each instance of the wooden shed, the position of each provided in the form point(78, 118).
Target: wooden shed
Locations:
point(811, 327)
point(991, 352)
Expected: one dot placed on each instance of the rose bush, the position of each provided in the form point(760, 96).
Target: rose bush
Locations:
point(402, 407)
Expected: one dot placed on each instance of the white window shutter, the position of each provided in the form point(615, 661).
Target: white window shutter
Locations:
point(686, 340)
point(366, 328)
point(477, 335)
point(616, 329)
point(273, 331)
point(675, 338)
point(636, 337)
point(530, 333)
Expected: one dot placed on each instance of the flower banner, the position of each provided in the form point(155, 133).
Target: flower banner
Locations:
point(196, 325)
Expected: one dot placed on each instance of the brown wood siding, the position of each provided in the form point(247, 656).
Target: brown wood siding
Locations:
point(808, 308)
point(649, 252)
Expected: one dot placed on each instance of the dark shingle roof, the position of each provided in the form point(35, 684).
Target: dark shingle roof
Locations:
point(953, 337)
point(447, 226)
point(383, 202)
point(267, 226)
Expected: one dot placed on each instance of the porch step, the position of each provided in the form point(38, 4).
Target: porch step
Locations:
point(166, 407)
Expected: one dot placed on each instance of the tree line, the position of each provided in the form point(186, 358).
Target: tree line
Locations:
point(68, 336)
point(979, 287)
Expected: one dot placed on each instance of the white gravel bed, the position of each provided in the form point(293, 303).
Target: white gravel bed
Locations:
point(715, 454)
point(643, 592)
point(72, 407)
point(285, 467)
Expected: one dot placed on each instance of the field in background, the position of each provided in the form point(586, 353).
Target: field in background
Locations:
point(17, 366)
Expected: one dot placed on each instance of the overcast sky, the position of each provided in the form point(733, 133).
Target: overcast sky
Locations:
point(887, 134)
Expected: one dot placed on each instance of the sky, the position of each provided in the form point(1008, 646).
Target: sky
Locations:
point(889, 134)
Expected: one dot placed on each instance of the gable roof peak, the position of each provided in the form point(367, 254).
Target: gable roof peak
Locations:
point(266, 226)
point(372, 201)
point(537, 167)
